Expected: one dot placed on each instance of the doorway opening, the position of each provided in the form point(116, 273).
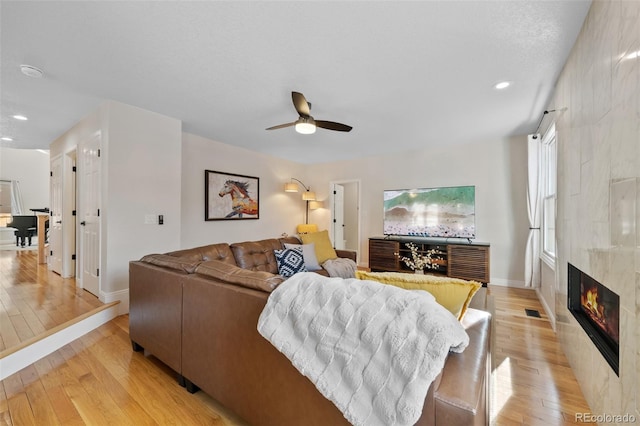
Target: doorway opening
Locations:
point(345, 215)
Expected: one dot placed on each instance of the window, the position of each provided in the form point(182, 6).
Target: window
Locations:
point(549, 168)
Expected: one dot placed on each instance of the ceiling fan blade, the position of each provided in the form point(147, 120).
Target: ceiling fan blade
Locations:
point(301, 104)
point(281, 126)
point(332, 125)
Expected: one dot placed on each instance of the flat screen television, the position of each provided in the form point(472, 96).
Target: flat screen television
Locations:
point(447, 212)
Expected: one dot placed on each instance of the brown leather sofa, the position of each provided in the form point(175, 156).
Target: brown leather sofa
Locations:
point(197, 311)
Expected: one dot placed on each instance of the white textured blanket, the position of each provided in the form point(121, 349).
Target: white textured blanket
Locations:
point(371, 349)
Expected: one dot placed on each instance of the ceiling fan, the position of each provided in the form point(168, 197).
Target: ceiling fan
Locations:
point(306, 124)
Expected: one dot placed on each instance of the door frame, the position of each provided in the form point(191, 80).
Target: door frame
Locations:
point(56, 214)
point(358, 203)
point(69, 242)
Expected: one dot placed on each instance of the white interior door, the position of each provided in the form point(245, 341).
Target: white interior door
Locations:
point(55, 219)
point(89, 209)
point(338, 216)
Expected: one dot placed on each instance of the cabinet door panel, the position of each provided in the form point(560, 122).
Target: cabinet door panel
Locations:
point(382, 255)
point(469, 262)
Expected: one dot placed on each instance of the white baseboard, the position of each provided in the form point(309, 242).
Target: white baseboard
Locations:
point(26, 356)
point(121, 295)
point(547, 309)
point(507, 283)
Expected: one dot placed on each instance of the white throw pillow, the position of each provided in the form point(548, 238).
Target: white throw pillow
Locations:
point(309, 254)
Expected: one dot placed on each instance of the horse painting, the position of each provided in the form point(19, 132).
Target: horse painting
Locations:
point(241, 202)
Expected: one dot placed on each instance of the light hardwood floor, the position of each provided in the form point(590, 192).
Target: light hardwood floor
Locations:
point(34, 300)
point(532, 382)
point(99, 380)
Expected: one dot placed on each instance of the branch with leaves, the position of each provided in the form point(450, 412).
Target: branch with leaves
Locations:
point(419, 261)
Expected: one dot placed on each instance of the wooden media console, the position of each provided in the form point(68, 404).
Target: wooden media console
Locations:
point(468, 261)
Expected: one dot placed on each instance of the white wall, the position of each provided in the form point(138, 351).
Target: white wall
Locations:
point(496, 168)
point(30, 167)
point(142, 177)
point(141, 174)
point(280, 212)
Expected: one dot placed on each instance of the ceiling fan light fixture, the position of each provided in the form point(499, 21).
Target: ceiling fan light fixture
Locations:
point(305, 126)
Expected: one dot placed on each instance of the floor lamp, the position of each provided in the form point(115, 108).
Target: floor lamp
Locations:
point(307, 196)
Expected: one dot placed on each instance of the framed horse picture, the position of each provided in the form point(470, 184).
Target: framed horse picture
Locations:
point(228, 196)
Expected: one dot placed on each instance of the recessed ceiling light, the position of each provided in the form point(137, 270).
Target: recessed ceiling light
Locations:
point(5, 138)
point(20, 117)
point(502, 85)
point(31, 71)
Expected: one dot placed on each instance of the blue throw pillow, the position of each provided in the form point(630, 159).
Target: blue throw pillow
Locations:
point(290, 261)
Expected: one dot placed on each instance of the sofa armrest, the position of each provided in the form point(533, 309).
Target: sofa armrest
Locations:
point(349, 254)
point(260, 280)
point(462, 396)
point(155, 311)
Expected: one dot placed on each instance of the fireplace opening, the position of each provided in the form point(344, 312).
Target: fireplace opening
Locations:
point(597, 310)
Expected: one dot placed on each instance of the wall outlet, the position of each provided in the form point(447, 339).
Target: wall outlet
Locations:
point(150, 219)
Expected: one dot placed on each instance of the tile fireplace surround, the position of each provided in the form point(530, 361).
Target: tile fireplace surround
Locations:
point(598, 216)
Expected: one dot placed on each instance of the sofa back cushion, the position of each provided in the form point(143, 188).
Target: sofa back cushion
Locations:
point(232, 274)
point(176, 263)
point(220, 252)
point(257, 255)
point(290, 240)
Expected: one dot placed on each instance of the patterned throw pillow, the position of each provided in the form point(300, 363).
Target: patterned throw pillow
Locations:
point(290, 261)
point(309, 253)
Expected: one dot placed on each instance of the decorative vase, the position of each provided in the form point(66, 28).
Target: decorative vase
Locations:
point(419, 271)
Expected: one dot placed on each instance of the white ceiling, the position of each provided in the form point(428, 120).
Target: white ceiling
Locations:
point(405, 75)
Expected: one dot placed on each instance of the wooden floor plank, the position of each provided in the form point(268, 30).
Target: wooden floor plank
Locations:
point(65, 410)
point(43, 411)
point(20, 410)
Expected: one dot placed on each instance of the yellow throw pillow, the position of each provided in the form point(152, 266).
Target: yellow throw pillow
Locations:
point(452, 293)
point(305, 229)
point(324, 248)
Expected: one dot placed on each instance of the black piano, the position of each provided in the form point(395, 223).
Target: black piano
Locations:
point(26, 226)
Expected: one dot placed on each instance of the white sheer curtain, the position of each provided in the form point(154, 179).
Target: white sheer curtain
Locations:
point(17, 208)
point(532, 255)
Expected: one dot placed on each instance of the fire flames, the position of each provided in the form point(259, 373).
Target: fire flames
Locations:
point(589, 301)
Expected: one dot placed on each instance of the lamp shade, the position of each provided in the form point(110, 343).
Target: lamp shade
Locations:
point(309, 196)
point(314, 205)
point(290, 187)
